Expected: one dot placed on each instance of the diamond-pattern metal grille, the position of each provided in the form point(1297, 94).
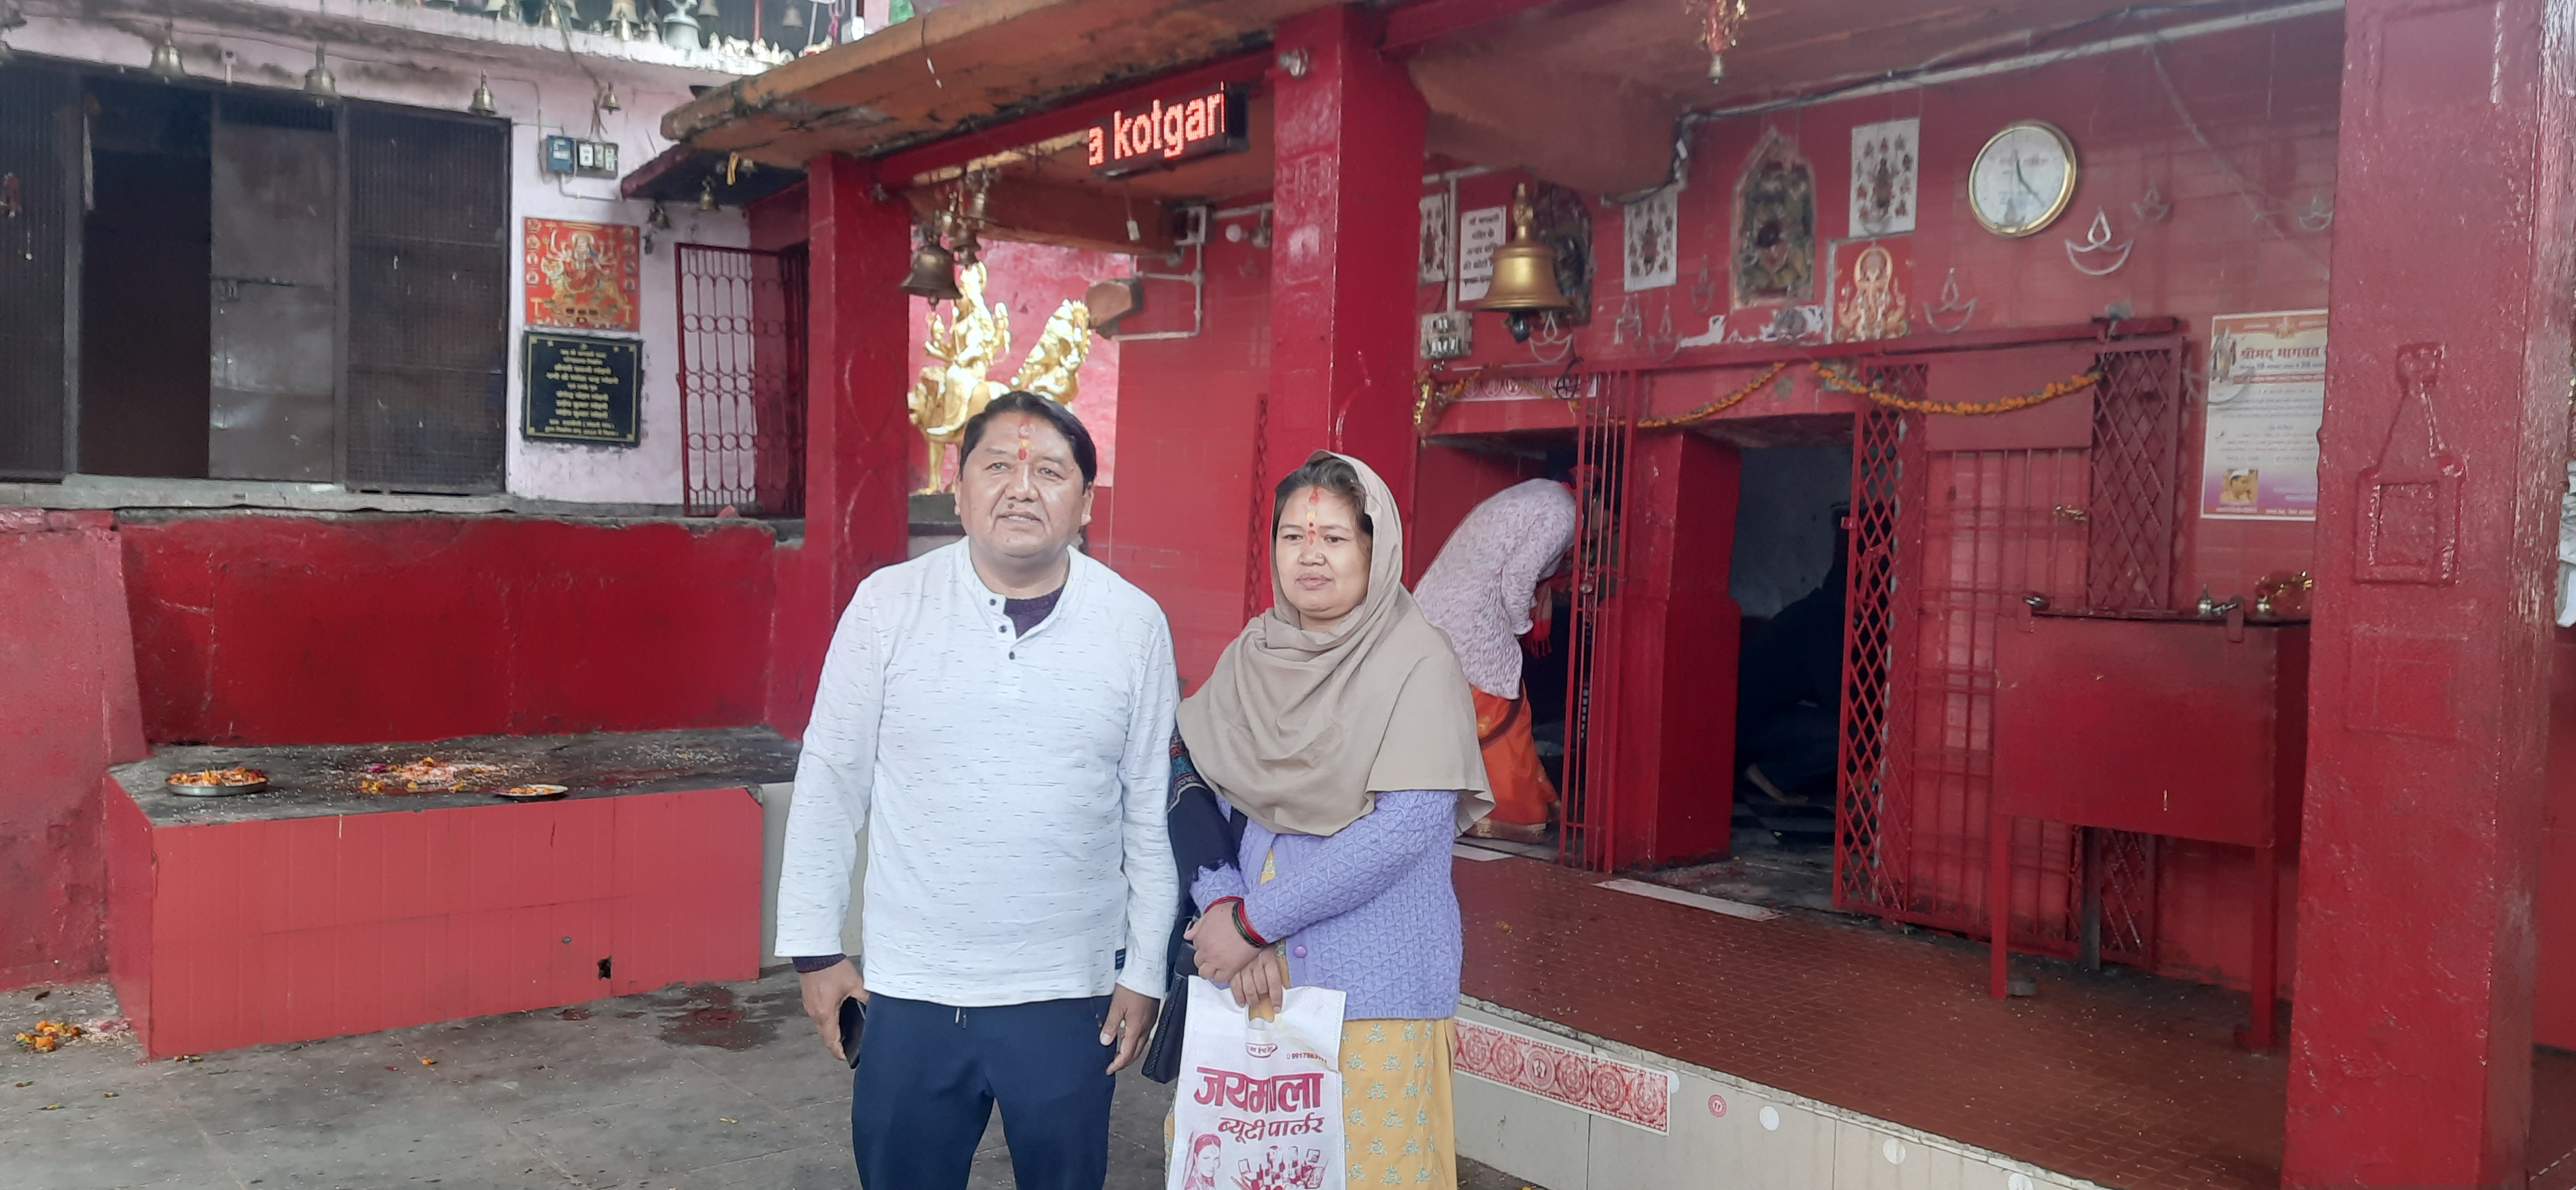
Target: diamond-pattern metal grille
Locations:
point(742, 380)
point(2137, 418)
point(1868, 862)
point(33, 221)
point(1942, 545)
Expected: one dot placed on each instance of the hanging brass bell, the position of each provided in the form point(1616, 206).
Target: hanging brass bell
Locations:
point(934, 272)
point(318, 82)
point(165, 55)
point(481, 104)
point(795, 18)
point(1524, 269)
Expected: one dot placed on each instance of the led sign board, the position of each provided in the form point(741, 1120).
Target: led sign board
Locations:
point(1169, 131)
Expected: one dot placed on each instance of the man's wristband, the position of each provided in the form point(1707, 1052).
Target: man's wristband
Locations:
point(813, 963)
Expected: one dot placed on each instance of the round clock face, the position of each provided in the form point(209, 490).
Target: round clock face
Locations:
point(2023, 178)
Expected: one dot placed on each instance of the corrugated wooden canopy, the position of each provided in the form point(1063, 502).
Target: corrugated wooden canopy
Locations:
point(962, 67)
point(1582, 92)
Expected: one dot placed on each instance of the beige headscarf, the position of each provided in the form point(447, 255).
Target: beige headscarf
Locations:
point(1301, 729)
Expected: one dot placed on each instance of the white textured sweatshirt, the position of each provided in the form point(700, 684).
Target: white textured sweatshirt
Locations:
point(1012, 786)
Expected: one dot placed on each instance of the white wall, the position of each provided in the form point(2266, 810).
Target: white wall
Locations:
point(429, 58)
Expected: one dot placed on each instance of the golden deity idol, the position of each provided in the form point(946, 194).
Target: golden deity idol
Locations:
point(968, 344)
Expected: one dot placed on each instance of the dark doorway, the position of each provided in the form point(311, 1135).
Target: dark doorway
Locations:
point(144, 281)
point(1787, 577)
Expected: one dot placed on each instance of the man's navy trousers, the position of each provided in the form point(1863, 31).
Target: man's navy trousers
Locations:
point(929, 1075)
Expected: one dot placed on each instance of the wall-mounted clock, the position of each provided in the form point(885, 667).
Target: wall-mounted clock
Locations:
point(2022, 179)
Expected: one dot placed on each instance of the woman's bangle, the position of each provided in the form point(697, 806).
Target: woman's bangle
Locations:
point(1243, 926)
point(1218, 905)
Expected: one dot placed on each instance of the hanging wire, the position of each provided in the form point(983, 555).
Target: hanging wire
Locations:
point(2245, 189)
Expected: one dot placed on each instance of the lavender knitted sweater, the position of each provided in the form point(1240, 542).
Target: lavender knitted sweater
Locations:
point(1369, 910)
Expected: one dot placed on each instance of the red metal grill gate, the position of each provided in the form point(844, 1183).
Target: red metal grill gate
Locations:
point(742, 380)
point(1606, 408)
point(1941, 543)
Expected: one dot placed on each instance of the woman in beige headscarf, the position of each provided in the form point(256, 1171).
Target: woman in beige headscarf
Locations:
point(1339, 729)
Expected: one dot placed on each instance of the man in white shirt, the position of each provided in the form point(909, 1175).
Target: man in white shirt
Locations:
point(998, 715)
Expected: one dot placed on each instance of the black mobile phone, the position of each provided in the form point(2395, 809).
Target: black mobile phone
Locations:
point(854, 1021)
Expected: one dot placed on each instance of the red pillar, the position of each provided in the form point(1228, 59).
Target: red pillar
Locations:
point(858, 433)
point(1678, 637)
point(2445, 444)
point(1348, 180)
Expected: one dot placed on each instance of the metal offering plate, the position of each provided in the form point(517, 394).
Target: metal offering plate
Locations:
point(217, 782)
point(530, 793)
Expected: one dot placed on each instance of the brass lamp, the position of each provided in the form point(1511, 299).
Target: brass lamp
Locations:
point(1524, 273)
point(934, 270)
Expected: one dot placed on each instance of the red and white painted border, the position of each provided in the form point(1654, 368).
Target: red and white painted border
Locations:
point(1605, 1087)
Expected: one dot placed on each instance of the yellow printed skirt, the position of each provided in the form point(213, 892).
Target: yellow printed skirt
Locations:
point(1397, 1126)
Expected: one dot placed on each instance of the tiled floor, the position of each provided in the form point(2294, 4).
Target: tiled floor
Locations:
point(2115, 1077)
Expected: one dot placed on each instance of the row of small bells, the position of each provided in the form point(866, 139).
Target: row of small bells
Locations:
point(318, 82)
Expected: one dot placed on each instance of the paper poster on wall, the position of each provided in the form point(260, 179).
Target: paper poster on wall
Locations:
point(1650, 235)
point(2267, 394)
point(1872, 283)
point(581, 276)
point(1436, 245)
point(1479, 233)
point(1882, 162)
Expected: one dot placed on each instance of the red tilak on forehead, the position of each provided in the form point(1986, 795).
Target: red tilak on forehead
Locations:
point(1024, 440)
point(1314, 504)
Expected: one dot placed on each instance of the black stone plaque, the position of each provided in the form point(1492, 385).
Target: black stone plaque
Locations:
point(581, 388)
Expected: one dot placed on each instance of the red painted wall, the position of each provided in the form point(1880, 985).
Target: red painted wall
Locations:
point(262, 932)
point(1189, 526)
point(257, 629)
point(67, 711)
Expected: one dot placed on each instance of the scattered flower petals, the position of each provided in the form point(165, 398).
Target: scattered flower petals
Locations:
point(49, 1036)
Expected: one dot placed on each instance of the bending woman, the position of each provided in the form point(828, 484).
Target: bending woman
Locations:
point(1340, 727)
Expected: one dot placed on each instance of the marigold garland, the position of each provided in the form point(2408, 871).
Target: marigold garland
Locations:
point(1718, 406)
point(2054, 389)
point(1432, 398)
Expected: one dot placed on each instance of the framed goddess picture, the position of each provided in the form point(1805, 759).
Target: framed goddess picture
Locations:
point(581, 276)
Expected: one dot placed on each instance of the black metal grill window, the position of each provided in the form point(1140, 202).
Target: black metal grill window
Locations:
point(428, 304)
point(35, 218)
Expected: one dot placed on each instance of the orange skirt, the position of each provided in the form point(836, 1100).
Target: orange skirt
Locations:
point(1522, 793)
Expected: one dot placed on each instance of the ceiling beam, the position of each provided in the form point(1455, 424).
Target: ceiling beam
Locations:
point(1416, 25)
point(1018, 207)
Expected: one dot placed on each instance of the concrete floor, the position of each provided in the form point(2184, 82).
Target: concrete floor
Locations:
point(698, 1088)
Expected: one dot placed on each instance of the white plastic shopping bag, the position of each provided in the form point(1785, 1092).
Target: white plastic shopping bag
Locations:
point(1259, 1101)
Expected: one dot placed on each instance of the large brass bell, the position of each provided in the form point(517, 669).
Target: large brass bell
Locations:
point(1524, 269)
point(934, 271)
point(165, 55)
